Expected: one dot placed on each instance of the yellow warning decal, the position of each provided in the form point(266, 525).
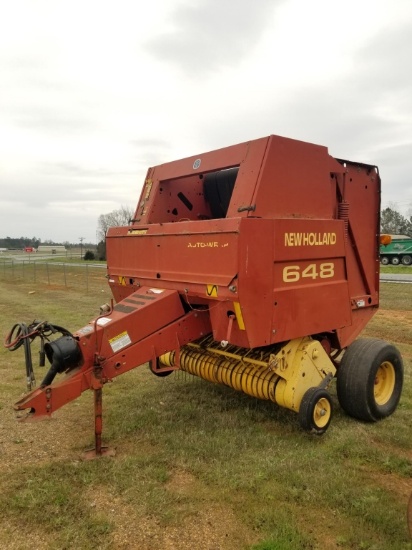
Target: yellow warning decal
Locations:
point(149, 184)
point(137, 231)
point(239, 316)
point(120, 341)
point(122, 280)
point(211, 291)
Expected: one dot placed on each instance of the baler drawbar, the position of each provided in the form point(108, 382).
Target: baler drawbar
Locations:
point(255, 266)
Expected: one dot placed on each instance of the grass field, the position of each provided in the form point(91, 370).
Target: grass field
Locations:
point(403, 269)
point(197, 466)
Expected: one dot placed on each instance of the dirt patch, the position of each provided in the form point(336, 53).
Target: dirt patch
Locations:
point(181, 482)
point(393, 483)
point(36, 443)
point(13, 538)
point(401, 317)
point(208, 528)
point(404, 453)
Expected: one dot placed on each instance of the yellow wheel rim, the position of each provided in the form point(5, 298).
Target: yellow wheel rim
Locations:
point(384, 383)
point(322, 412)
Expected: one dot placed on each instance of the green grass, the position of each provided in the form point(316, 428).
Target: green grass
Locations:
point(200, 465)
point(404, 269)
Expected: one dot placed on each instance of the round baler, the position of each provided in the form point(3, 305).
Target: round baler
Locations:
point(255, 266)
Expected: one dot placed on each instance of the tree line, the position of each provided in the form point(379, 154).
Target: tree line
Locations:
point(18, 243)
point(393, 223)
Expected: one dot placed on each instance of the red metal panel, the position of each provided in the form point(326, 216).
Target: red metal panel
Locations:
point(362, 194)
point(360, 318)
point(170, 338)
point(310, 309)
point(188, 252)
point(295, 181)
point(256, 279)
point(144, 312)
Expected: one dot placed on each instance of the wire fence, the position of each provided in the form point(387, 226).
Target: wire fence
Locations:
point(87, 276)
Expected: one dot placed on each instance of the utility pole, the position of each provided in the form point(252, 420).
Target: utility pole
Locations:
point(81, 239)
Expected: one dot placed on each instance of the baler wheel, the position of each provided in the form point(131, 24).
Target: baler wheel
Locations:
point(370, 379)
point(315, 411)
point(395, 260)
point(384, 260)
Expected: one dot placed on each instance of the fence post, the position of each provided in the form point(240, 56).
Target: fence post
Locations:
point(64, 271)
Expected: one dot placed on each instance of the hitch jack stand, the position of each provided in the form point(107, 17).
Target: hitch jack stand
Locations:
point(98, 451)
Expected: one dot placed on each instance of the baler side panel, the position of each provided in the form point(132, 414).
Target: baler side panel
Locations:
point(295, 181)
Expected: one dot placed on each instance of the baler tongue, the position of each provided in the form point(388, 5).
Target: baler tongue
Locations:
point(143, 326)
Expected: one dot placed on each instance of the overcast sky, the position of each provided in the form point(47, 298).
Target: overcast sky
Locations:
point(92, 93)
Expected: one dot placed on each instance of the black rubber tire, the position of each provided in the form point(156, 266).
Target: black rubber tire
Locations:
point(159, 373)
point(384, 260)
point(314, 401)
point(367, 365)
point(406, 260)
point(218, 189)
point(395, 260)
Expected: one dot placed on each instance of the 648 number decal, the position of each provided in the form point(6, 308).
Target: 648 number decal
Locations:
point(294, 273)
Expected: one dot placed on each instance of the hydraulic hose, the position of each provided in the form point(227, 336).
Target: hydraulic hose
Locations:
point(23, 335)
point(17, 337)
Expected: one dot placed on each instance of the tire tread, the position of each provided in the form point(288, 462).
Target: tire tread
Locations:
point(356, 377)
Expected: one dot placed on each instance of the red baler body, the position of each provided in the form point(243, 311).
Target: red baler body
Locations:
point(269, 244)
point(295, 260)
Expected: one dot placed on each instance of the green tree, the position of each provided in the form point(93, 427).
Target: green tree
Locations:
point(393, 223)
point(101, 250)
point(89, 255)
